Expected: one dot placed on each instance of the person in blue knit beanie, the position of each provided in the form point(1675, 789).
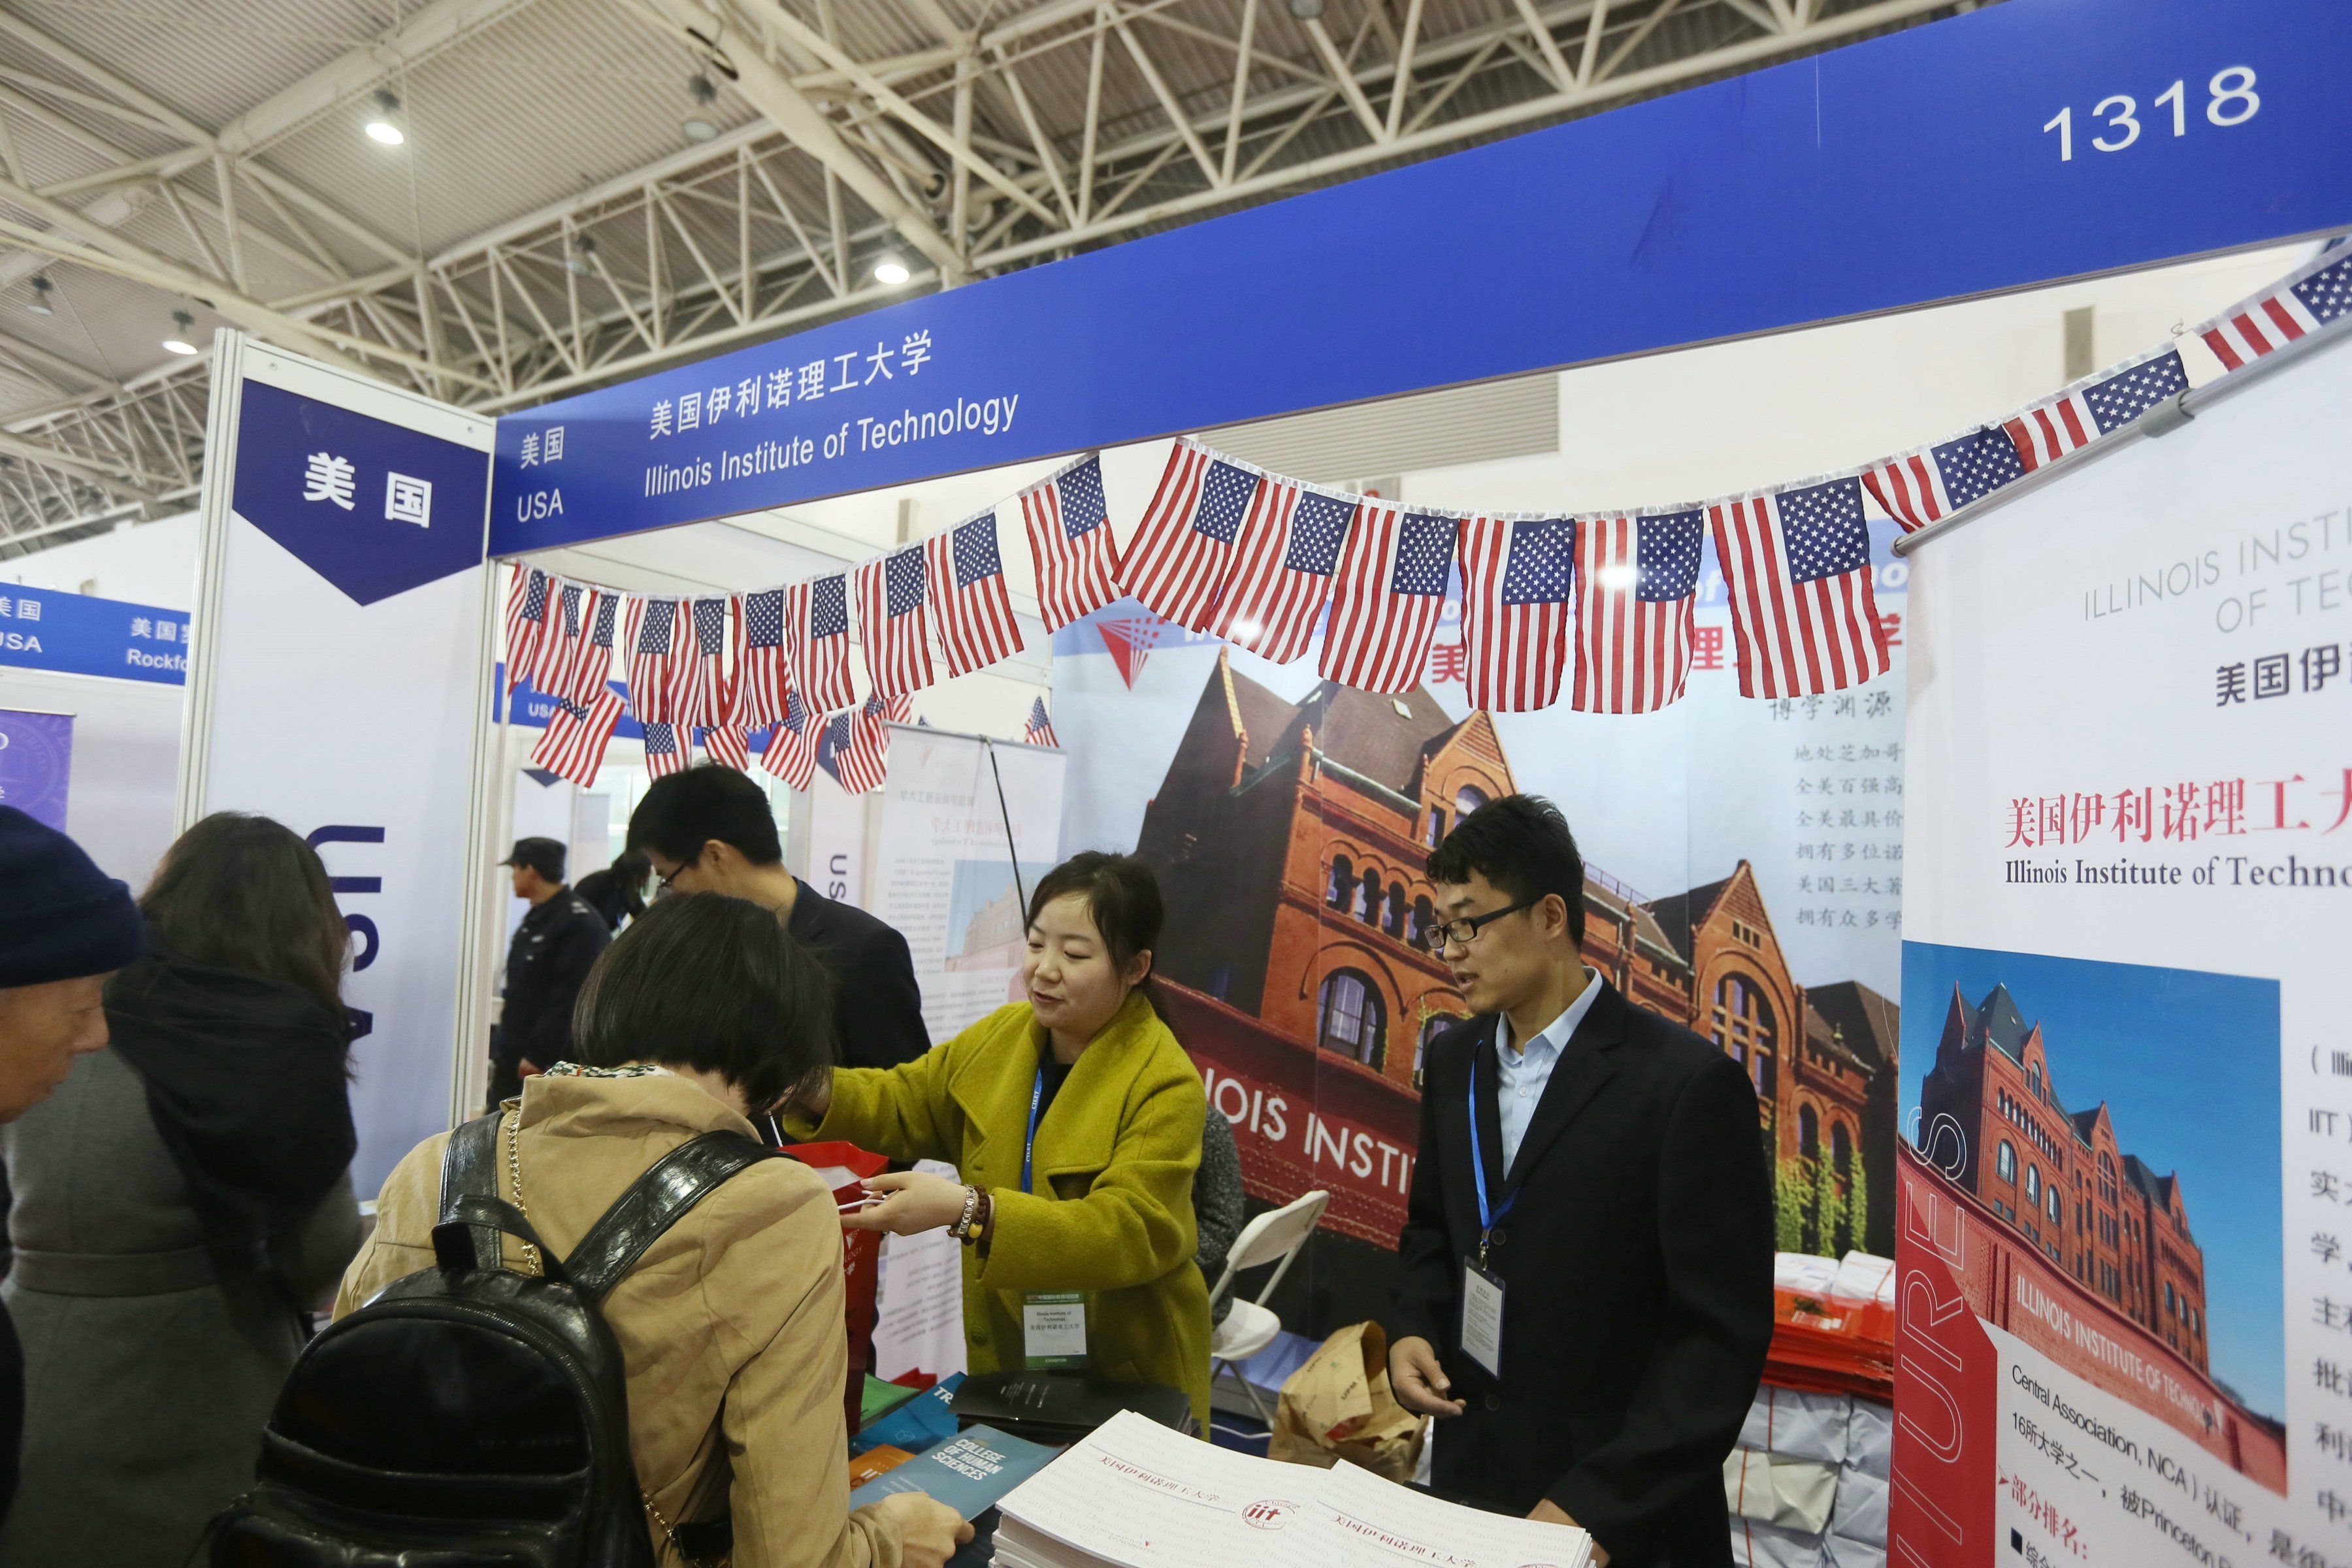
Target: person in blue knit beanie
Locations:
point(65, 927)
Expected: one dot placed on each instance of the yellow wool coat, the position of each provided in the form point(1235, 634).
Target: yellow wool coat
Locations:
point(1112, 1213)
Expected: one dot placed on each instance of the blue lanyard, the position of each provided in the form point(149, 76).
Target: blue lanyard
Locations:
point(1488, 1218)
point(1029, 1144)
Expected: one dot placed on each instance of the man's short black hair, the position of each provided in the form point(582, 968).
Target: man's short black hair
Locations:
point(1521, 844)
point(713, 984)
point(684, 811)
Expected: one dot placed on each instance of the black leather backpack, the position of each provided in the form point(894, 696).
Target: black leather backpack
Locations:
point(469, 1414)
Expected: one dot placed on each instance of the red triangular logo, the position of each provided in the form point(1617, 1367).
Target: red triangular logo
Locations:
point(1129, 643)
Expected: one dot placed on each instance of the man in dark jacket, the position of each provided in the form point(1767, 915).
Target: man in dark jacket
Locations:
point(553, 948)
point(1585, 1282)
point(710, 830)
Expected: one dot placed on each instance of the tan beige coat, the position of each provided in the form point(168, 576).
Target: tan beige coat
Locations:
point(731, 1325)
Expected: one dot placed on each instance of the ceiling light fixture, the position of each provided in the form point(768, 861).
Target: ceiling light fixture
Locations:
point(39, 304)
point(382, 128)
point(891, 272)
point(577, 263)
point(178, 341)
point(1307, 10)
point(699, 127)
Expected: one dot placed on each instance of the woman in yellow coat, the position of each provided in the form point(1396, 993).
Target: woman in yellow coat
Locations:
point(1074, 1122)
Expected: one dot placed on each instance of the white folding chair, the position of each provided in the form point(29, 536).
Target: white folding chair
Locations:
point(1274, 1236)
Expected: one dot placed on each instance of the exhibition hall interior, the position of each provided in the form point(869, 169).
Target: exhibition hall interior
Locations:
point(1385, 730)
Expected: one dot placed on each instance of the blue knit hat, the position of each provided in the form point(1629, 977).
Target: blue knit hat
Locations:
point(60, 917)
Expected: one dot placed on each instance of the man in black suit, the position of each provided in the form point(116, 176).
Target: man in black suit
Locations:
point(710, 830)
point(1585, 1289)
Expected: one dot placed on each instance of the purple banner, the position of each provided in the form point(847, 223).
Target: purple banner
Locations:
point(36, 762)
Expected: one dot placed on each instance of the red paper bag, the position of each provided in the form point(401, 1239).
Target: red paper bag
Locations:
point(845, 1167)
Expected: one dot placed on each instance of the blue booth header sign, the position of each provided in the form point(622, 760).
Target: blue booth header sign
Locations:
point(77, 634)
point(2019, 145)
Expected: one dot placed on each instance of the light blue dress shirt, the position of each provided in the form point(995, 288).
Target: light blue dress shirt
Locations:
point(1526, 1071)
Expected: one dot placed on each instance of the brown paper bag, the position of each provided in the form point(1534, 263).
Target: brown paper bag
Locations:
point(1338, 1405)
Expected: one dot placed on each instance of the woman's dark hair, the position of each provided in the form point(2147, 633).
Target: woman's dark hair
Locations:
point(1123, 900)
point(713, 984)
point(245, 893)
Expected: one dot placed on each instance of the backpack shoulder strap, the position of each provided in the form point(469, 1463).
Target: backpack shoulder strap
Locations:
point(654, 1203)
point(470, 1169)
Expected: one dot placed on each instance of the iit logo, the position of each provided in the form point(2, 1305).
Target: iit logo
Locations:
point(1271, 1514)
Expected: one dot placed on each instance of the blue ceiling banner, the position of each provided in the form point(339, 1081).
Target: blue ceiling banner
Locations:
point(79, 633)
point(2016, 145)
point(374, 508)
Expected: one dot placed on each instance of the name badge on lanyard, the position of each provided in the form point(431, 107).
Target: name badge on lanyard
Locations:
point(1053, 1322)
point(1482, 1289)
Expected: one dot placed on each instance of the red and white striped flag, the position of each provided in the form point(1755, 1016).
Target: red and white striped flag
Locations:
point(968, 595)
point(2306, 301)
point(856, 748)
point(2094, 406)
point(1039, 730)
point(899, 710)
point(1181, 556)
point(668, 749)
point(729, 746)
point(791, 746)
point(1930, 483)
point(705, 686)
point(816, 641)
point(1518, 577)
point(528, 597)
point(573, 745)
point(763, 674)
point(585, 678)
point(891, 618)
point(1636, 583)
point(550, 669)
point(1070, 542)
point(1284, 559)
point(653, 641)
point(1389, 596)
point(1797, 565)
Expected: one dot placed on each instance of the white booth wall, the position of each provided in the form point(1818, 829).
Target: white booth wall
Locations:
point(126, 756)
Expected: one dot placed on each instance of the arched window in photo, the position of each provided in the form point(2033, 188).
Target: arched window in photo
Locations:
point(1467, 799)
point(2005, 1161)
point(2032, 1184)
point(1741, 1022)
point(1809, 1132)
point(1368, 907)
point(1351, 1020)
point(1393, 921)
point(1842, 1149)
point(2055, 1207)
point(1424, 918)
point(1343, 882)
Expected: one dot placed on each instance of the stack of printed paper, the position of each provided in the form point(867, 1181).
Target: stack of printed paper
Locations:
point(1135, 1495)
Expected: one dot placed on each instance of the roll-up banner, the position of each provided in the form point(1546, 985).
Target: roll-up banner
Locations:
point(2125, 1235)
point(341, 674)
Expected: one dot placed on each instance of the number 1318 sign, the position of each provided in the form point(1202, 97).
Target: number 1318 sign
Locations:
point(2230, 100)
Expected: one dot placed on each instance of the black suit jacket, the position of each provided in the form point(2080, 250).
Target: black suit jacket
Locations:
point(1637, 1267)
point(877, 1007)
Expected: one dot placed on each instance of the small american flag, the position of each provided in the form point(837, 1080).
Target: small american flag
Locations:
point(899, 710)
point(1797, 565)
point(705, 688)
point(584, 681)
point(1289, 548)
point(1517, 586)
point(1931, 483)
point(1039, 730)
point(2093, 407)
point(558, 641)
point(762, 672)
point(727, 744)
point(891, 619)
point(2306, 300)
point(573, 745)
point(816, 639)
point(969, 596)
point(653, 643)
point(666, 749)
point(1070, 541)
point(1181, 556)
point(527, 600)
point(1636, 581)
point(791, 746)
point(855, 749)
point(1390, 593)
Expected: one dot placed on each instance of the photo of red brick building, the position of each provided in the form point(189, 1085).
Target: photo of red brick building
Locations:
point(1289, 840)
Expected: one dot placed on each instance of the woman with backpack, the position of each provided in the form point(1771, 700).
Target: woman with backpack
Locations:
point(703, 1013)
point(181, 1203)
point(1074, 1121)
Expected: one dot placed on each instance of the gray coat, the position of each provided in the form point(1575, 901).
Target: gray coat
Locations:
point(147, 1379)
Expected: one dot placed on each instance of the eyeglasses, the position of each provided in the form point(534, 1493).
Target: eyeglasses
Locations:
point(1463, 931)
point(662, 885)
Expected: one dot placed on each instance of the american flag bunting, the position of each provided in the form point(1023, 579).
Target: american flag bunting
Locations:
point(668, 749)
point(550, 669)
point(573, 745)
point(791, 754)
point(1797, 565)
point(1636, 586)
point(972, 606)
point(528, 596)
point(584, 677)
point(2093, 407)
point(1039, 730)
point(856, 748)
point(1181, 556)
point(1286, 554)
point(1070, 542)
point(1518, 577)
point(816, 641)
point(2306, 300)
point(763, 674)
point(1388, 598)
point(1931, 484)
point(652, 638)
point(892, 618)
point(705, 687)
point(727, 744)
